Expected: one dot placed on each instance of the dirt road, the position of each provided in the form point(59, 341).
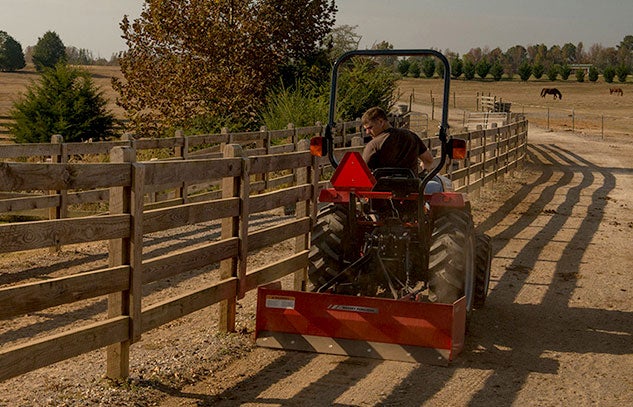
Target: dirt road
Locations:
point(557, 328)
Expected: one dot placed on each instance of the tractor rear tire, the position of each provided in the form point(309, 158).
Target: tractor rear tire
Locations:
point(452, 258)
point(483, 260)
point(329, 236)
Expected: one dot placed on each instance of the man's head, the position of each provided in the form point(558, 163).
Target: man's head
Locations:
point(375, 121)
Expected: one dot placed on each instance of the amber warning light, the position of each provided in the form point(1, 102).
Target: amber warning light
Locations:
point(353, 174)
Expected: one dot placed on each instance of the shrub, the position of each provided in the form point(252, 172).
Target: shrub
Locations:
point(64, 102)
point(303, 105)
point(580, 75)
point(593, 74)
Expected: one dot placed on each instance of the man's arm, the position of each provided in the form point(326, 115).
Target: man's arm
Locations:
point(426, 160)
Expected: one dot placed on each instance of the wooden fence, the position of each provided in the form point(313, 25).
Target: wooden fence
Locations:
point(250, 179)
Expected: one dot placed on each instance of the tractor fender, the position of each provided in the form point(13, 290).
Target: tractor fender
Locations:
point(449, 200)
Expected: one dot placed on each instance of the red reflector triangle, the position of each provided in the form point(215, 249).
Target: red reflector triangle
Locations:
point(353, 174)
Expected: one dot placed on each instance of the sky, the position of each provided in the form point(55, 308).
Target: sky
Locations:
point(456, 25)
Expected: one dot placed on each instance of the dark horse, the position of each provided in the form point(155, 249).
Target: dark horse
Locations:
point(551, 91)
point(616, 91)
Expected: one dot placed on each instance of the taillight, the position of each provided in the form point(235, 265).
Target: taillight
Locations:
point(317, 146)
point(457, 148)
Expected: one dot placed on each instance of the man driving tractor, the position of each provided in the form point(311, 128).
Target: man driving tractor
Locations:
point(393, 147)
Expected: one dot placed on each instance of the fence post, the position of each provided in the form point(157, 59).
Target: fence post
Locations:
point(61, 210)
point(118, 354)
point(304, 175)
point(231, 187)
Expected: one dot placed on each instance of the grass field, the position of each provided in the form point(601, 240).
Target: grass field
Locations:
point(585, 107)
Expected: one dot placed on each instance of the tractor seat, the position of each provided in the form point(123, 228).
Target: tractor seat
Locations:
point(400, 181)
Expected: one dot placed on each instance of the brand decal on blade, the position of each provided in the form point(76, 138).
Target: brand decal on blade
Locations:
point(353, 308)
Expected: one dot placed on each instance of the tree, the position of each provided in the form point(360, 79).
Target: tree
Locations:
point(11, 55)
point(65, 102)
point(365, 84)
point(341, 40)
point(403, 66)
point(48, 51)
point(580, 75)
point(525, 71)
point(622, 71)
point(593, 73)
point(414, 69)
point(469, 70)
point(483, 68)
point(608, 74)
point(553, 71)
point(456, 67)
point(565, 71)
point(428, 67)
point(188, 59)
point(496, 71)
point(537, 70)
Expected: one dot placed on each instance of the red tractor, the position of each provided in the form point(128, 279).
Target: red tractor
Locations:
point(386, 241)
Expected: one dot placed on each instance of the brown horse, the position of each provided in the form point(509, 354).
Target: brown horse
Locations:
point(551, 91)
point(616, 91)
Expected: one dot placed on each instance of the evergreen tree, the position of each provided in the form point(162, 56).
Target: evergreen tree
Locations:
point(469, 70)
point(622, 71)
point(456, 67)
point(403, 66)
point(483, 68)
point(553, 71)
point(565, 71)
point(580, 75)
point(48, 51)
point(428, 67)
point(414, 69)
point(608, 74)
point(593, 74)
point(525, 71)
point(64, 102)
point(11, 55)
point(538, 70)
point(496, 71)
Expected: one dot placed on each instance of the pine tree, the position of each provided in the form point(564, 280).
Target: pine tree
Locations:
point(48, 51)
point(66, 102)
point(11, 55)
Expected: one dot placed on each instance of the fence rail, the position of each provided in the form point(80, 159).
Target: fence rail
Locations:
point(243, 178)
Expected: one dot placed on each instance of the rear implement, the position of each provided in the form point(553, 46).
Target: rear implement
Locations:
point(377, 328)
